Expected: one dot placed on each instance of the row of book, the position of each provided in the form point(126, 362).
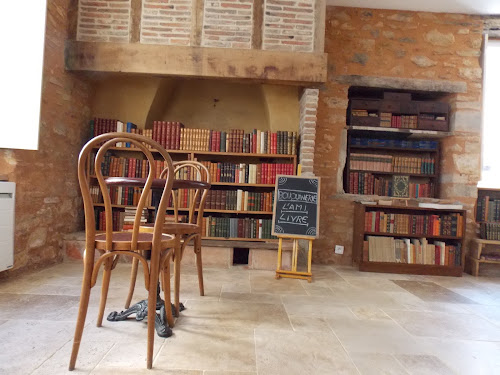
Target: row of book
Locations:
point(363, 113)
point(416, 224)
point(122, 220)
point(390, 120)
point(172, 135)
point(488, 209)
point(490, 231)
point(389, 163)
point(239, 200)
point(411, 251)
point(100, 126)
point(129, 196)
point(430, 116)
point(394, 143)
point(367, 184)
point(226, 227)
point(263, 173)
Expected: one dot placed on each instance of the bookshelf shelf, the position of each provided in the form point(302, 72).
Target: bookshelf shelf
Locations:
point(214, 153)
point(241, 184)
point(240, 239)
point(418, 253)
point(410, 133)
point(402, 149)
point(395, 173)
point(208, 210)
point(412, 235)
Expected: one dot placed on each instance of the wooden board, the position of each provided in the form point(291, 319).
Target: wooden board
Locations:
point(289, 68)
point(296, 207)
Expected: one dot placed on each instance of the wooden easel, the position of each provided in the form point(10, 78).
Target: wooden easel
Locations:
point(294, 274)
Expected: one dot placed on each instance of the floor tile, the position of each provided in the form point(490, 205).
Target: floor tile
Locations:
point(234, 315)
point(432, 292)
point(208, 348)
point(26, 344)
point(374, 336)
point(377, 364)
point(320, 353)
point(424, 365)
point(446, 325)
point(32, 306)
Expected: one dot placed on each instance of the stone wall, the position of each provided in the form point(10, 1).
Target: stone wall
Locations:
point(48, 202)
point(419, 50)
point(104, 21)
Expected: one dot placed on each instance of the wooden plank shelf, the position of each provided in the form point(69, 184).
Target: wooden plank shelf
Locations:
point(211, 153)
point(403, 149)
point(413, 236)
point(415, 269)
point(396, 173)
point(241, 239)
point(411, 133)
point(208, 210)
point(241, 184)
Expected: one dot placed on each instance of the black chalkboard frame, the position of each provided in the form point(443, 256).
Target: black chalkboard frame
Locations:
point(288, 235)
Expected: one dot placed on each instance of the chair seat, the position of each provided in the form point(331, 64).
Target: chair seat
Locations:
point(123, 241)
point(182, 229)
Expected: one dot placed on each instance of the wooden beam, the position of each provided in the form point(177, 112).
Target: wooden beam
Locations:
point(135, 24)
point(197, 22)
point(320, 24)
point(292, 68)
point(72, 19)
point(258, 20)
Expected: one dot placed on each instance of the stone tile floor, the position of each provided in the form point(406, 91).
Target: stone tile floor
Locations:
point(345, 322)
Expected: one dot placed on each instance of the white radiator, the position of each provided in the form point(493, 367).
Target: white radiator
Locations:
point(7, 209)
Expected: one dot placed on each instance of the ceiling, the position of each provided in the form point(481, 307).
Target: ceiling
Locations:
point(445, 6)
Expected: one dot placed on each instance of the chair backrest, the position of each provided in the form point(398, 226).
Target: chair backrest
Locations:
point(198, 182)
point(143, 145)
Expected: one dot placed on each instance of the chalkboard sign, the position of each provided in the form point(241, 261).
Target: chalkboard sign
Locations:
point(296, 207)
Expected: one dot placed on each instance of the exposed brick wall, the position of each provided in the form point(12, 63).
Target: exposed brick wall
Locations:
point(104, 21)
point(407, 45)
point(166, 21)
point(288, 25)
point(227, 24)
point(48, 203)
point(307, 129)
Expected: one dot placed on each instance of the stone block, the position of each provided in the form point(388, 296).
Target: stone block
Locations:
point(221, 257)
point(262, 259)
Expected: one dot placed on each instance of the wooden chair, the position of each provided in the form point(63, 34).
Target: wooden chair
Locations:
point(111, 244)
point(193, 176)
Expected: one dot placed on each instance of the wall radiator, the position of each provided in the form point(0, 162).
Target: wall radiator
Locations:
point(7, 210)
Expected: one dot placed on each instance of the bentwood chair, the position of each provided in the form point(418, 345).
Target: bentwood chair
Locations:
point(111, 245)
point(191, 186)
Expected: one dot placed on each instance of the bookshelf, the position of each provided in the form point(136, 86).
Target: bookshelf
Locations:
point(414, 240)
point(373, 162)
point(239, 205)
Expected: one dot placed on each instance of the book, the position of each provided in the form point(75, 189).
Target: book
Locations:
point(400, 186)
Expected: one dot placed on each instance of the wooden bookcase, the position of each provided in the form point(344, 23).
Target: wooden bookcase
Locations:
point(222, 157)
point(364, 222)
point(372, 162)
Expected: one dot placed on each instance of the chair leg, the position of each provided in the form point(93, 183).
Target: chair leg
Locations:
point(154, 270)
point(84, 304)
point(166, 293)
point(177, 277)
point(199, 264)
point(106, 276)
point(133, 278)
